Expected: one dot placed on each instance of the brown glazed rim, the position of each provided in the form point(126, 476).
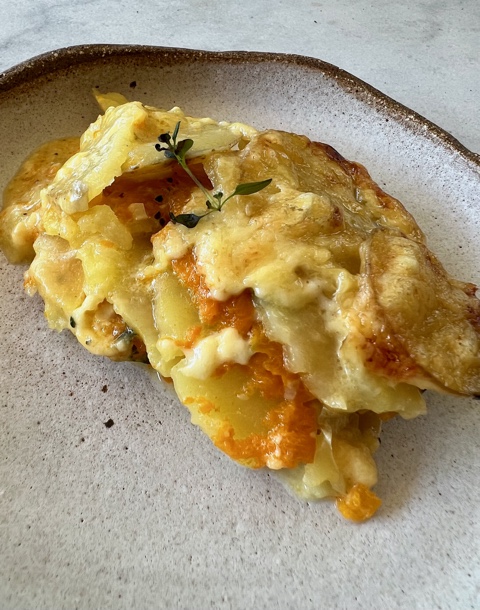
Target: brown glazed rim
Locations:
point(46, 64)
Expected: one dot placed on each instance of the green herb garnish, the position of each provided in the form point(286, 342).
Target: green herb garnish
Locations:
point(214, 201)
point(127, 335)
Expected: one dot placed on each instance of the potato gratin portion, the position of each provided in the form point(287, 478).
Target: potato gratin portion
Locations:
point(292, 322)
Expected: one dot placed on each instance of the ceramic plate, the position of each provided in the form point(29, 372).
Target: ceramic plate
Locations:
point(146, 512)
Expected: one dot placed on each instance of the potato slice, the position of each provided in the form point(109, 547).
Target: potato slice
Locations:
point(123, 140)
point(432, 318)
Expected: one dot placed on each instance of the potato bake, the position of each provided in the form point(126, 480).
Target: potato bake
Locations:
point(294, 305)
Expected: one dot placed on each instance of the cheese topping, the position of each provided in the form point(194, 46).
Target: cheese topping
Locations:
point(227, 345)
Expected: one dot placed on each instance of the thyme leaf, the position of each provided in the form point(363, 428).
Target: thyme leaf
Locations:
point(249, 188)
point(214, 201)
point(187, 220)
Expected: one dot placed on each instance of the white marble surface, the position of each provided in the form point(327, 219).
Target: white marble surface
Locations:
point(423, 53)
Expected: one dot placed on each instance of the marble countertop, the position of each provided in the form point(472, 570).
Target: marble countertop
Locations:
point(423, 53)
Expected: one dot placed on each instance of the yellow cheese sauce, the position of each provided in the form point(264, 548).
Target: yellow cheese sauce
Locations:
point(20, 221)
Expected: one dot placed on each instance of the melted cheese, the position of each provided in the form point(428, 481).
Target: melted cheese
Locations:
point(224, 346)
point(297, 252)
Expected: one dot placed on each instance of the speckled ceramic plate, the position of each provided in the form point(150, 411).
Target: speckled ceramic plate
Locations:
point(145, 512)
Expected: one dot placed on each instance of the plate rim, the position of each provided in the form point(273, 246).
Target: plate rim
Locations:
point(50, 62)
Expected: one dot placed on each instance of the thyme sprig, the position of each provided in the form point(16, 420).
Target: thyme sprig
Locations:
point(214, 201)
